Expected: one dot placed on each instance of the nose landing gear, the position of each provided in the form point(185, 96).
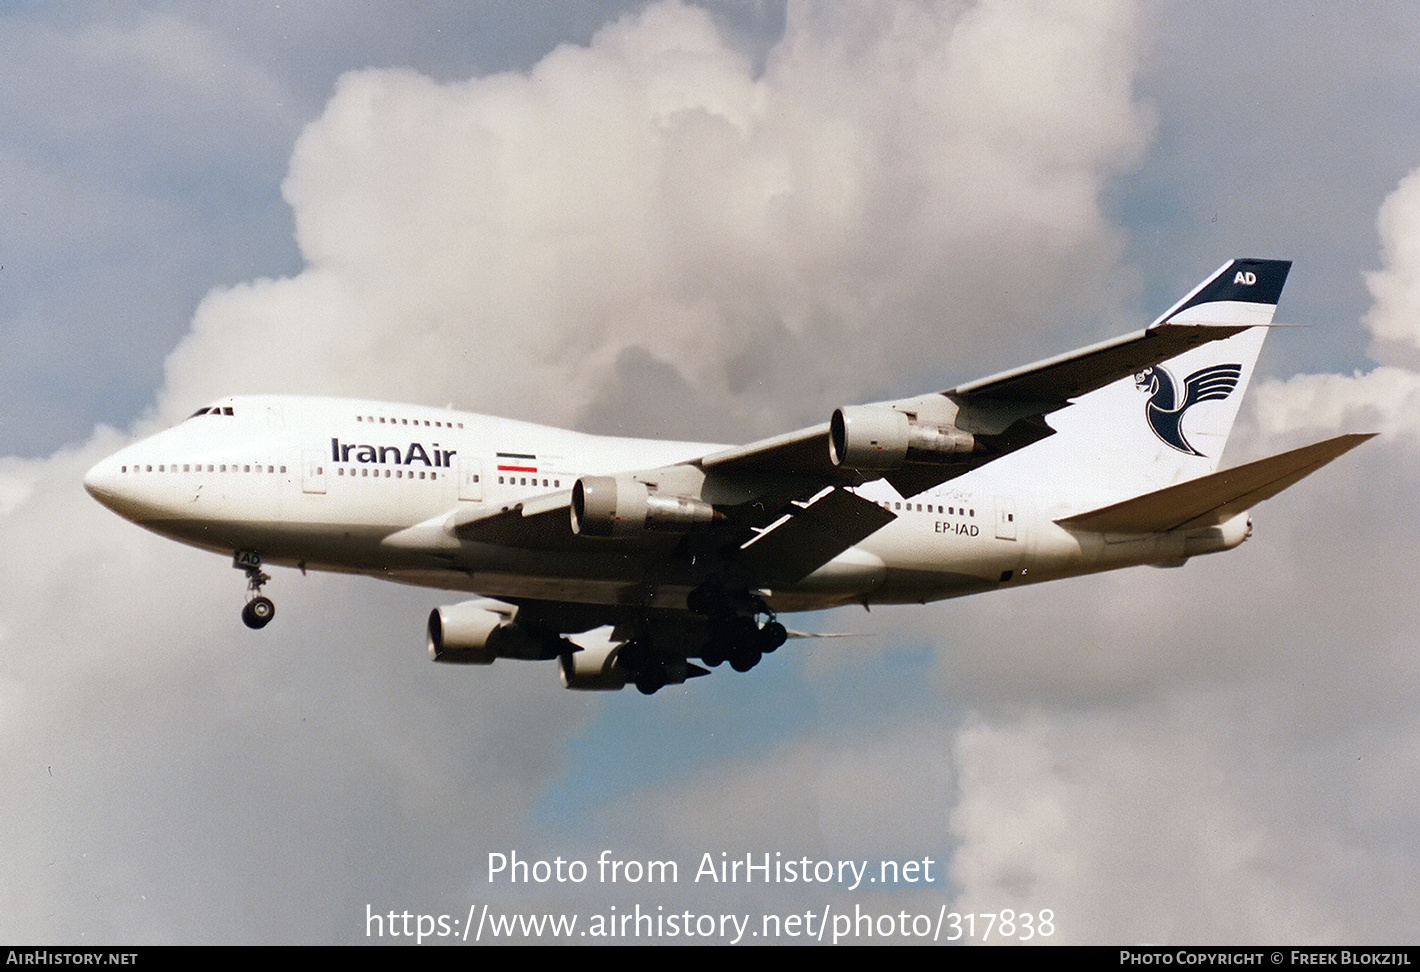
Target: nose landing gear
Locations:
point(258, 612)
point(259, 609)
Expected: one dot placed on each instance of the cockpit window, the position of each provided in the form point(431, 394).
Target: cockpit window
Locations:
point(212, 410)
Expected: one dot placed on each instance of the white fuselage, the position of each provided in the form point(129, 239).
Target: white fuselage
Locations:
point(325, 483)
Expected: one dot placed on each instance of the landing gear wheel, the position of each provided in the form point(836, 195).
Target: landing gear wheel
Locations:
point(772, 635)
point(650, 671)
point(743, 658)
point(258, 612)
point(742, 633)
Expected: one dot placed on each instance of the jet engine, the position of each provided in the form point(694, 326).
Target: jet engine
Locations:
point(881, 437)
point(618, 506)
point(477, 632)
point(597, 666)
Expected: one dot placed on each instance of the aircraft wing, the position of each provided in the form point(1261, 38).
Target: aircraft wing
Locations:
point(1054, 383)
point(540, 523)
point(1006, 411)
point(800, 454)
point(1239, 295)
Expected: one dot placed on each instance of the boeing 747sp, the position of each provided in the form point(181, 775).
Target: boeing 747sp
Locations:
point(630, 560)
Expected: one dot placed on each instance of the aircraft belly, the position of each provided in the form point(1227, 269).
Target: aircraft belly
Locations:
point(910, 586)
point(931, 558)
point(526, 587)
point(320, 546)
point(848, 577)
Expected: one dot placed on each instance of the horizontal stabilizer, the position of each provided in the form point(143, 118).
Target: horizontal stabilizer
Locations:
point(1215, 498)
point(811, 535)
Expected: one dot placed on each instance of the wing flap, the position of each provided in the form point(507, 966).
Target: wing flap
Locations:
point(1216, 498)
point(812, 534)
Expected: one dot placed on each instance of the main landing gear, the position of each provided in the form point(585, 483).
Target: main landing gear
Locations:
point(731, 631)
point(741, 642)
point(259, 610)
point(650, 672)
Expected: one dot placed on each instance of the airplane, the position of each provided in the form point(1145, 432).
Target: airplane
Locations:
point(635, 561)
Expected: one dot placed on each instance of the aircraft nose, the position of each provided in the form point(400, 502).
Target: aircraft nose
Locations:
point(108, 484)
point(102, 482)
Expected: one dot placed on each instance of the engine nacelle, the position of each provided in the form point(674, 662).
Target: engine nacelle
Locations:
point(881, 437)
point(619, 506)
point(596, 667)
point(477, 632)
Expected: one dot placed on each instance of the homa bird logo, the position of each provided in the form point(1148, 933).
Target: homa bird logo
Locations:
point(1165, 412)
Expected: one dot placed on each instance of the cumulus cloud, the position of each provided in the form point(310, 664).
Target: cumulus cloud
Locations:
point(1381, 400)
point(847, 222)
point(1175, 829)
